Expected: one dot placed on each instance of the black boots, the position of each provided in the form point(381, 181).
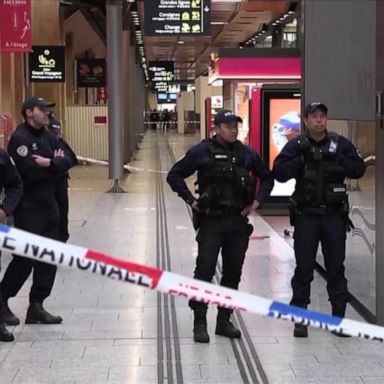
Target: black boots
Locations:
point(300, 330)
point(4, 334)
point(7, 316)
point(200, 334)
point(338, 309)
point(224, 327)
point(37, 314)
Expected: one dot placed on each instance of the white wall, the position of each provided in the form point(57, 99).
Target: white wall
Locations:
point(152, 100)
point(203, 91)
point(185, 102)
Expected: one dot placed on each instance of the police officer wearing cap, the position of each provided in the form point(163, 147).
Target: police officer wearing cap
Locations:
point(319, 161)
point(226, 180)
point(61, 192)
point(40, 161)
point(12, 185)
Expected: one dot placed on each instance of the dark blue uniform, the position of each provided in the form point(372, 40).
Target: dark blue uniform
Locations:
point(11, 182)
point(221, 225)
point(319, 210)
point(61, 192)
point(38, 210)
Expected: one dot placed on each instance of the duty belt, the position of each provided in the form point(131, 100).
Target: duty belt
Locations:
point(320, 210)
point(223, 212)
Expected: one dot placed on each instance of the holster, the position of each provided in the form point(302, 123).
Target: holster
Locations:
point(196, 219)
point(293, 211)
point(345, 212)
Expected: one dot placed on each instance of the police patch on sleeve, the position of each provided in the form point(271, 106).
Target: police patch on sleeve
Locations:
point(22, 150)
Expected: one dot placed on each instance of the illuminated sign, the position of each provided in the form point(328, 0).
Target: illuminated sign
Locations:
point(166, 98)
point(177, 17)
point(47, 64)
point(161, 73)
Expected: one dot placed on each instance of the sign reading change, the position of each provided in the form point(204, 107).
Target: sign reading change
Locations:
point(177, 17)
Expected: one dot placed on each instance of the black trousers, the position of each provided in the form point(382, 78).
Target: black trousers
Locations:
point(41, 220)
point(330, 231)
point(231, 236)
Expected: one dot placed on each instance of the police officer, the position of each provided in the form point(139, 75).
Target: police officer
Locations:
point(61, 192)
point(319, 161)
point(226, 179)
point(11, 182)
point(40, 162)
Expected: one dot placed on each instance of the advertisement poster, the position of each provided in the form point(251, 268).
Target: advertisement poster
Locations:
point(15, 26)
point(285, 125)
point(90, 73)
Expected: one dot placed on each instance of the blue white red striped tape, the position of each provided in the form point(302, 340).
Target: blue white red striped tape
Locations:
point(66, 255)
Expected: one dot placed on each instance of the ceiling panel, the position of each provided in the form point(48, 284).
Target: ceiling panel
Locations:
point(237, 22)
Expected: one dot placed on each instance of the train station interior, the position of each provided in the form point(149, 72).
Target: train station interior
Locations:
point(138, 83)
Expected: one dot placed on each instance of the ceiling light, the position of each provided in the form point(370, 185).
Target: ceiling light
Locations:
point(219, 22)
point(180, 42)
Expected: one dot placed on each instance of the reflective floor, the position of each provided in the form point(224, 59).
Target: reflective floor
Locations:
point(119, 333)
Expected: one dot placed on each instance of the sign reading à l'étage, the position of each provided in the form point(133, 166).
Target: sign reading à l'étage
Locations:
point(177, 17)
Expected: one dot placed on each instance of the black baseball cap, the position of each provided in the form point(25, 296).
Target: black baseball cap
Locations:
point(33, 102)
point(311, 107)
point(226, 116)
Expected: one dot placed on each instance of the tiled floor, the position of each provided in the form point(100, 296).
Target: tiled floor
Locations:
point(110, 332)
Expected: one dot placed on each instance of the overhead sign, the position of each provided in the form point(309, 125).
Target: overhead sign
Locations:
point(161, 74)
point(47, 64)
point(163, 98)
point(15, 26)
point(161, 87)
point(90, 72)
point(161, 71)
point(177, 17)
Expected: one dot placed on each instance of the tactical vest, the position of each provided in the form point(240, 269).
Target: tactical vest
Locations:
point(322, 183)
point(225, 182)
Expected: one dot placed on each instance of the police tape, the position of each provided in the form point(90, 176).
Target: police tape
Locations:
point(66, 255)
point(130, 168)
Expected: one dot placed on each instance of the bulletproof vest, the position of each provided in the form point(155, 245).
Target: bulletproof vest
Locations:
point(322, 182)
point(225, 182)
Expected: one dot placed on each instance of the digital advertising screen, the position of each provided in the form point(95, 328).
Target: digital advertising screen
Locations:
point(281, 122)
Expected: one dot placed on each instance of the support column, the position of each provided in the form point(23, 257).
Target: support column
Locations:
point(115, 121)
point(126, 104)
point(379, 166)
point(277, 36)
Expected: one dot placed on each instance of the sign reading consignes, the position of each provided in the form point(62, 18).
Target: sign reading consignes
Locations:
point(90, 73)
point(47, 64)
point(177, 17)
point(15, 26)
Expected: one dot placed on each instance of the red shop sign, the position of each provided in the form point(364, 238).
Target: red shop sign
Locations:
point(15, 26)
